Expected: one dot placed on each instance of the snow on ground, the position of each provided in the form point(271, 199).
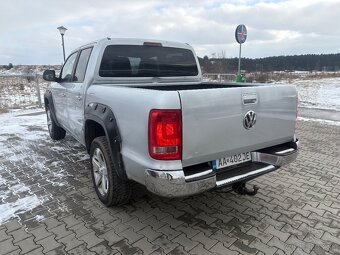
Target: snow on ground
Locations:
point(8, 210)
point(15, 126)
point(318, 99)
point(20, 123)
point(326, 122)
point(18, 131)
point(319, 93)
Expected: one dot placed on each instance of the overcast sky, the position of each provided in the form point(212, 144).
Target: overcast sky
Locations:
point(29, 35)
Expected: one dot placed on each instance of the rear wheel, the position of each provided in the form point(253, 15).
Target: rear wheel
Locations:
point(56, 132)
point(110, 189)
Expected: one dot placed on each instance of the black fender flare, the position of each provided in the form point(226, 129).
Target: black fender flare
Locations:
point(48, 98)
point(104, 116)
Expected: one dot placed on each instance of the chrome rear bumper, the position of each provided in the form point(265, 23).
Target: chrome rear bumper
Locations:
point(177, 184)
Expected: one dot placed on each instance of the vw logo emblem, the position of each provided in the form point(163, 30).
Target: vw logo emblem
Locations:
point(249, 119)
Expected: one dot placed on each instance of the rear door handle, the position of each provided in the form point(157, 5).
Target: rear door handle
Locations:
point(79, 97)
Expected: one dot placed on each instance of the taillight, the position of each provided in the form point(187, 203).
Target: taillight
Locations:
point(165, 134)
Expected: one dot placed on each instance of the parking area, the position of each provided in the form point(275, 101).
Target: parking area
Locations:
point(48, 204)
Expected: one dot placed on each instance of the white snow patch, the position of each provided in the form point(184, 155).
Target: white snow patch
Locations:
point(327, 122)
point(39, 218)
point(63, 207)
point(10, 210)
point(55, 163)
point(19, 188)
point(59, 174)
point(2, 181)
point(38, 165)
point(14, 158)
point(57, 148)
point(57, 183)
point(12, 189)
point(82, 156)
point(319, 93)
point(4, 194)
point(14, 124)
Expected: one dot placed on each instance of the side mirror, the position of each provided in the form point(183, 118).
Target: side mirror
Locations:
point(49, 75)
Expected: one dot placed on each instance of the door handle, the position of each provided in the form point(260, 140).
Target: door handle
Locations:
point(79, 97)
point(249, 98)
point(63, 94)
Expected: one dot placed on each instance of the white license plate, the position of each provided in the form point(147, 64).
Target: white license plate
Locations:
point(232, 160)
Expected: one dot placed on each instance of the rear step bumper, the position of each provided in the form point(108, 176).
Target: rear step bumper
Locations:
point(177, 184)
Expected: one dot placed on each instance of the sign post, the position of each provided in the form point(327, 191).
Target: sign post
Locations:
point(241, 37)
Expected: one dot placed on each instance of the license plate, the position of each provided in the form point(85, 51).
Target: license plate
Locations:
point(232, 160)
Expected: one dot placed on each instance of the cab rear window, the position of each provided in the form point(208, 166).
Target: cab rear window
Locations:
point(147, 61)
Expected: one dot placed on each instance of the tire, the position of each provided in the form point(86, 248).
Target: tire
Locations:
point(110, 189)
point(56, 132)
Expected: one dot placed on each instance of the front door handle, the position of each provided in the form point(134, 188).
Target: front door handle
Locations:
point(63, 94)
point(79, 97)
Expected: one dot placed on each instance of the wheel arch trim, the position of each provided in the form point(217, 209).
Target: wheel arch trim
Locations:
point(103, 116)
point(48, 98)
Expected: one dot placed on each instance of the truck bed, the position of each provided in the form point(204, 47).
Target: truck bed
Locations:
point(213, 113)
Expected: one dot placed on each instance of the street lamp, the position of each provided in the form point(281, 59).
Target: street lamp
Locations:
point(62, 31)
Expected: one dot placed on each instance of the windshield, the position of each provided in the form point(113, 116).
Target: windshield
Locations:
point(147, 61)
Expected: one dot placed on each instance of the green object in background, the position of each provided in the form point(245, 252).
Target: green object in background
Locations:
point(240, 78)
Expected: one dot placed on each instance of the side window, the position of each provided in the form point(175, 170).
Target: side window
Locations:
point(82, 65)
point(66, 73)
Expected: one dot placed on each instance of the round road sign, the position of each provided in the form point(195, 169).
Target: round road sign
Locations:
point(241, 34)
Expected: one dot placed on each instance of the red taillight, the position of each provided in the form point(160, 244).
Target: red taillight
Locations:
point(165, 134)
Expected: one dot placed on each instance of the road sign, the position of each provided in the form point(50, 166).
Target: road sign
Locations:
point(241, 37)
point(241, 34)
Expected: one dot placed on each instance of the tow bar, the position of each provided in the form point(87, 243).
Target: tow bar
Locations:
point(241, 189)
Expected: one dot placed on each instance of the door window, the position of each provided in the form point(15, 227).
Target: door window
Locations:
point(82, 65)
point(66, 73)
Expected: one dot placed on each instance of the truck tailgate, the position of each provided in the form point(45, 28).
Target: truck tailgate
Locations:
point(213, 125)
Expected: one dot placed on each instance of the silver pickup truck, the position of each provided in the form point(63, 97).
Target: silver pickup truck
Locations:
point(144, 114)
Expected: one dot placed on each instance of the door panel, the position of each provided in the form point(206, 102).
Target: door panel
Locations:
point(75, 101)
point(75, 96)
point(66, 77)
point(59, 96)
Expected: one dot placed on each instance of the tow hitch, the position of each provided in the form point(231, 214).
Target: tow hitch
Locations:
point(241, 189)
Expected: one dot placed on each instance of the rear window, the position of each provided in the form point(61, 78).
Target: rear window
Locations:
point(147, 61)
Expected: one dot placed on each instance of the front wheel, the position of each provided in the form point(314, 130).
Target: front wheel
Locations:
point(56, 132)
point(110, 189)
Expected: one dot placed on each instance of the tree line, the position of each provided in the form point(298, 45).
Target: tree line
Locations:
point(309, 62)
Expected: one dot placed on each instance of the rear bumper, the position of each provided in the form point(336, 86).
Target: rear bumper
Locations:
point(177, 184)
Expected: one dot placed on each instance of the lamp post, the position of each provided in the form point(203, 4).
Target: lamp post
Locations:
point(62, 31)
